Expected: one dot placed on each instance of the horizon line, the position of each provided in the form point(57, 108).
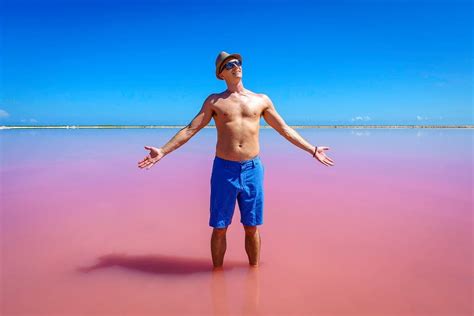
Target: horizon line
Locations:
point(468, 126)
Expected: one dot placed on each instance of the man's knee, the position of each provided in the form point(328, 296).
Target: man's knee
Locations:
point(219, 232)
point(250, 230)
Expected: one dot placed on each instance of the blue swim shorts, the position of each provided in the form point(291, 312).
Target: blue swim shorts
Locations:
point(241, 181)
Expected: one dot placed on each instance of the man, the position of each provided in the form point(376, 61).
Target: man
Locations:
point(237, 171)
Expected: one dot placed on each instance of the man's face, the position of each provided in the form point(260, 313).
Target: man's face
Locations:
point(234, 72)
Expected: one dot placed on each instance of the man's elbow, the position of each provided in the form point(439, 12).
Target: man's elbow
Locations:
point(193, 129)
point(283, 130)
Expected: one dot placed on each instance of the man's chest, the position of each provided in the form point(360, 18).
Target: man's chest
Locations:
point(238, 108)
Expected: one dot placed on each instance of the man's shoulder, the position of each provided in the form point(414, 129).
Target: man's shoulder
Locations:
point(216, 95)
point(212, 98)
point(265, 98)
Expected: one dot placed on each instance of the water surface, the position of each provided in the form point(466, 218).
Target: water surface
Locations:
point(386, 231)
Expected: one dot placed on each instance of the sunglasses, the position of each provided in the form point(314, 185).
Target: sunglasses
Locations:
point(231, 64)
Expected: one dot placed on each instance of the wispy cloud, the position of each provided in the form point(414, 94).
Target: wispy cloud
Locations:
point(426, 118)
point(438, 79)
point(3, 113)
point(360, 118)
point(31, 120)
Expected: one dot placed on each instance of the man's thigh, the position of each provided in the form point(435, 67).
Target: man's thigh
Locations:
point(251, 198)
point(224, 190)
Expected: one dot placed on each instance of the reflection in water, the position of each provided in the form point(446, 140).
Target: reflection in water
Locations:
point(251, 295)
point(252, 292)
point(172, 265)
point(220, 304)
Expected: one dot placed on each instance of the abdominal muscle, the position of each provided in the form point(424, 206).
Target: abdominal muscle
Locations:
point(238, 140)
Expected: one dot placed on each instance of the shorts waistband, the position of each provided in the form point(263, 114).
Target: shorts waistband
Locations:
point(243, 163)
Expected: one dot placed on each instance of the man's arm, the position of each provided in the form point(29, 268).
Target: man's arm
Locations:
point(273, 119)
point(200, 120)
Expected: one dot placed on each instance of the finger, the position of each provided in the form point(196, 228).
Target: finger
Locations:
point(144, 159)
point(329, 159)
point(144, 164)
point(326, 157)
point(321, 161)
point(151, 162)
point(321, 157)
point(324, 163)
point(330, 163)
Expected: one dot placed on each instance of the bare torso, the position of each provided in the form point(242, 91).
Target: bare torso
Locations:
point(237, 118)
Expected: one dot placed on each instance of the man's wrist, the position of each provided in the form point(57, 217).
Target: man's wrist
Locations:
point(314, 150)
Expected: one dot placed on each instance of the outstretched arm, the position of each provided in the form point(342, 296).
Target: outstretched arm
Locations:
point(274, 119)
point(200, 120)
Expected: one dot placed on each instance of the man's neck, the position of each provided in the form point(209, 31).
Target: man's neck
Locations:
point(235, 87)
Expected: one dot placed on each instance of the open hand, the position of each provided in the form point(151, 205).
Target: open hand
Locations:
point(325, 160)
point(149, 161)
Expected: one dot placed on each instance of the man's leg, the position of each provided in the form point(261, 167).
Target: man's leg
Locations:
point(252, 244)
point(218, 246)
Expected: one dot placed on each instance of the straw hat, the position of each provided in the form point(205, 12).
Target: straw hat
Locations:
point(221, 58)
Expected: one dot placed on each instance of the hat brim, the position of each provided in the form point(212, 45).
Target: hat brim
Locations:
point(223, 62)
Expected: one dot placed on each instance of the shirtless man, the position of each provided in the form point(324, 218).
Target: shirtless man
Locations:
point(237, 172)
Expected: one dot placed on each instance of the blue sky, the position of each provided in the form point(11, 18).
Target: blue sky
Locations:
point(152, 62)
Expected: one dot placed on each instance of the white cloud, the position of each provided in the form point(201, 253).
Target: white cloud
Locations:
point(361, 118)
point(426, 118)
point(437, 79)
point(3, 113)
point(31, 120)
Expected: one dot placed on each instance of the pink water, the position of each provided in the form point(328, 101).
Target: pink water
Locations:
point(387, 231)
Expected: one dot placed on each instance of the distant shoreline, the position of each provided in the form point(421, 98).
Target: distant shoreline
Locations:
point(4, 127)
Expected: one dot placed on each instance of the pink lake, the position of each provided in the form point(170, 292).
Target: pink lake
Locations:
point(387, 231)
